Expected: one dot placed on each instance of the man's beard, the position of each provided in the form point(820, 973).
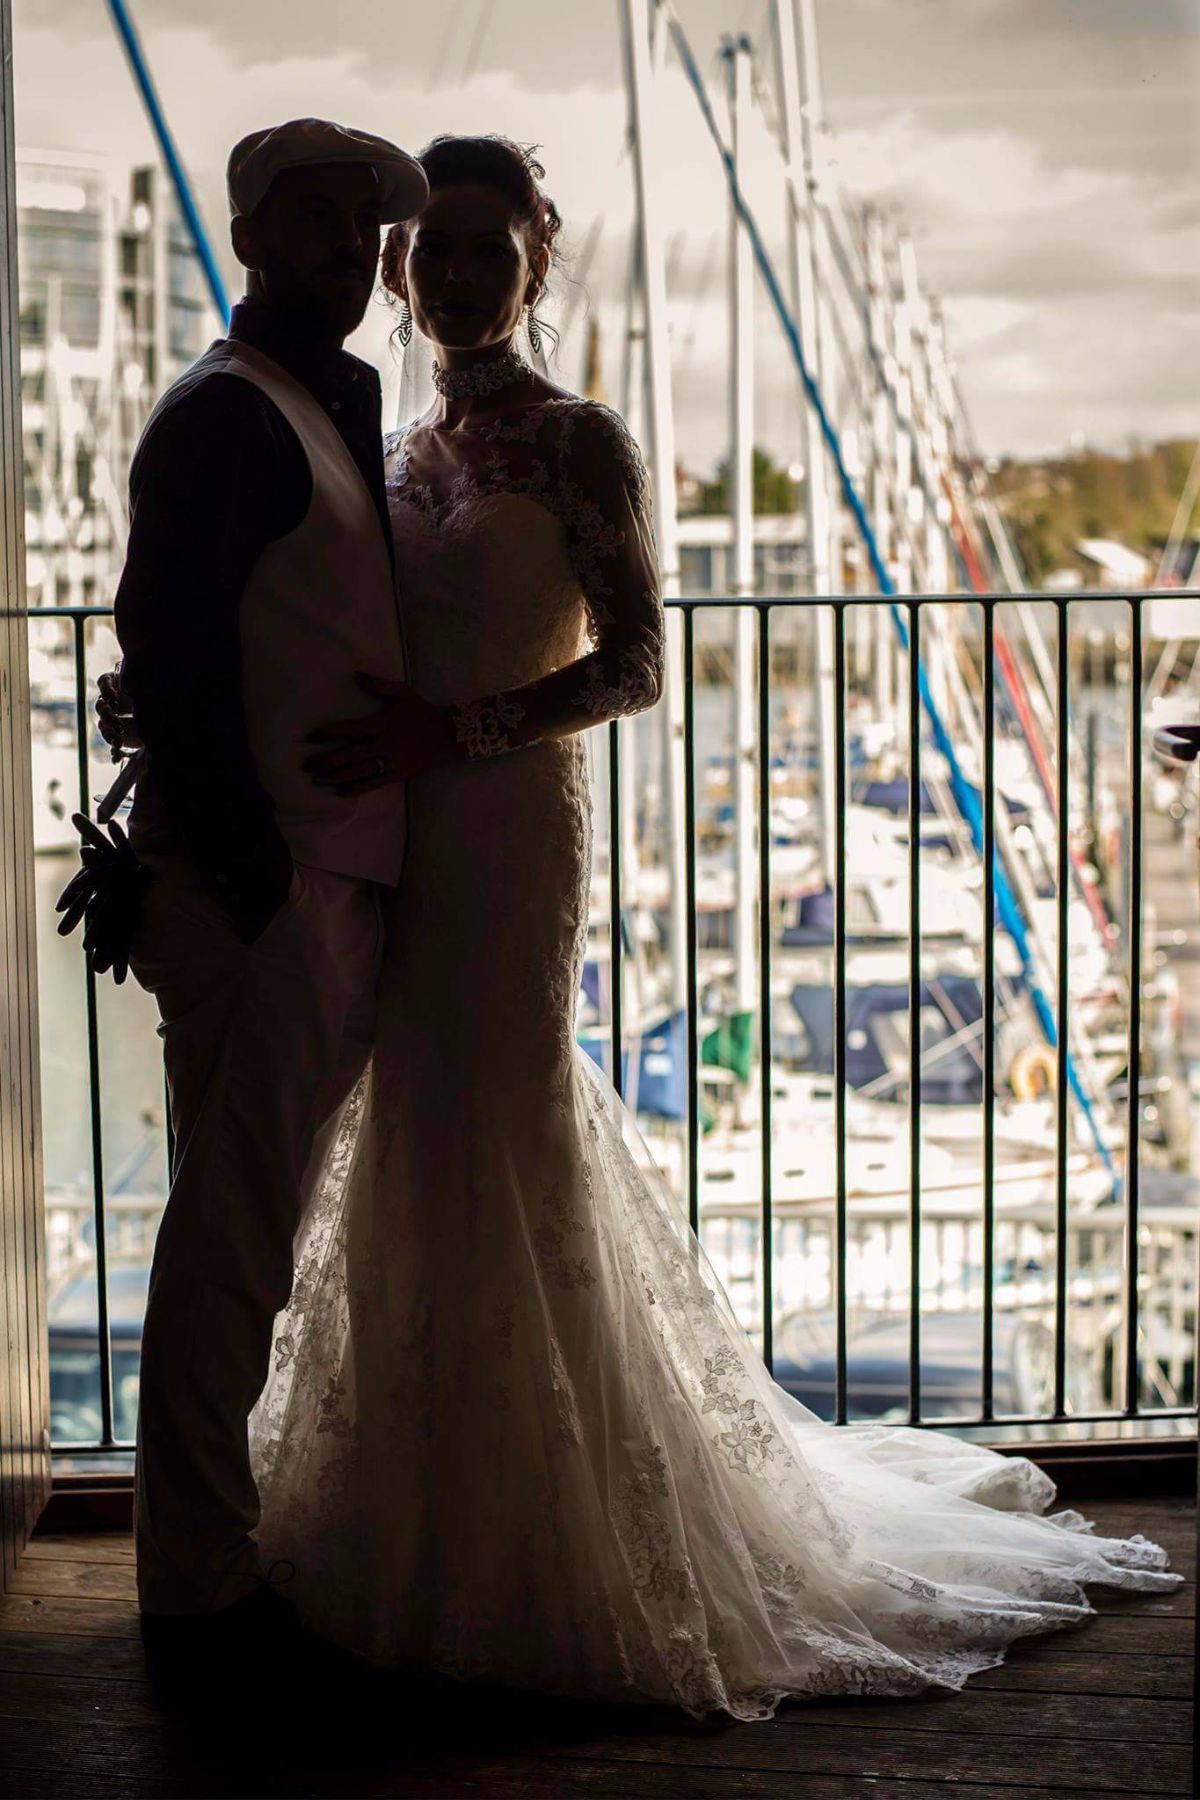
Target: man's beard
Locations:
point(330, 311)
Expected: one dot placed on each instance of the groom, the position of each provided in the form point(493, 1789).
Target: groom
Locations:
point(259, 580)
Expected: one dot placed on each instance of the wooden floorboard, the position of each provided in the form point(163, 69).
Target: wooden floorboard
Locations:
point(75, 1580)
point(92, 1546)
point(1100, 1711)
point(1099, 1672)
point(79, 1618)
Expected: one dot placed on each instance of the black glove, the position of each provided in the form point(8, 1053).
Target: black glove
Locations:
point(107, 894)
point(114, 716)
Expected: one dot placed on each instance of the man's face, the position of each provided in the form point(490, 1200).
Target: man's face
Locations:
point(313, 242)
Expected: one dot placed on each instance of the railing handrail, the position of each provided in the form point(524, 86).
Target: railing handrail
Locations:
point(756, 602)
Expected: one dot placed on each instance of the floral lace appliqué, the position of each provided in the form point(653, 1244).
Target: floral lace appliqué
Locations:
point(484, 727)
point(635, 688)
point(746, 1442)
point(559, 1222)
point(645, 1533)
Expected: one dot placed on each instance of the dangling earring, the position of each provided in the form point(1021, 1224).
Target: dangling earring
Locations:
point(535, 336)
point(404, 328)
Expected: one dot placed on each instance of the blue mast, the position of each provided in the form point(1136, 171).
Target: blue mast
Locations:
point(170, 155)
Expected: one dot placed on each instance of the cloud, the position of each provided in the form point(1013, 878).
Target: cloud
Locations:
point(1063, 287)
point(213, 95)
point(1106, 29)
point(1039, 391)
point(991, 174)
point(1048, 187)
point(426, 48)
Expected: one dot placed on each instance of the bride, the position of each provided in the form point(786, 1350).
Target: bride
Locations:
point(514, 1432)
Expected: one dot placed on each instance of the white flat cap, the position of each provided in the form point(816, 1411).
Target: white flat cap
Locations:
point(258, 159)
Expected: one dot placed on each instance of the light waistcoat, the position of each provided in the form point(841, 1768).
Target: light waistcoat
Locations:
point(319, 607)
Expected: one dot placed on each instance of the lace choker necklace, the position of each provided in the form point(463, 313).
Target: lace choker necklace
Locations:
point(481, 377)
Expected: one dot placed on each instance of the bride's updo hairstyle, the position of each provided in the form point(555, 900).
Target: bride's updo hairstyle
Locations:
point(510, 169)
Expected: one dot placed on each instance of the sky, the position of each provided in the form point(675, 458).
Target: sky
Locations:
point(1043, 154)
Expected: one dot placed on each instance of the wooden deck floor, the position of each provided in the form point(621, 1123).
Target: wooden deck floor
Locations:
point(1102, 1711)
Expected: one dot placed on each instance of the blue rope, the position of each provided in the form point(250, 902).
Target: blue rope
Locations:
point(175, 168)
point(964, 795)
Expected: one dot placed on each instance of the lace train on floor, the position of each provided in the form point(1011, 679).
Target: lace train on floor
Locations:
point(515, 1433)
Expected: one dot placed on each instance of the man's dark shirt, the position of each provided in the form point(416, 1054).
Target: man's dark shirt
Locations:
point(218, 475)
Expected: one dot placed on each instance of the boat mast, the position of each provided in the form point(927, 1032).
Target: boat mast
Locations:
point(660, 443)
point(797, 117)
point(882, 457)
point(736, 55)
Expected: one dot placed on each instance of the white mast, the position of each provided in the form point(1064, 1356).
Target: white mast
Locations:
point(736, 53)
point(812, 131)
point(802, 266)
point(881, 461)
point(661, 446)
point(901, 322)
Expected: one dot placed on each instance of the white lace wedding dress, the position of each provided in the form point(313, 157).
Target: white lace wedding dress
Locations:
point(514, 1432)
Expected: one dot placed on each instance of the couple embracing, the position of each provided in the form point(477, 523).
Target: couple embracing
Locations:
point(423, 1323)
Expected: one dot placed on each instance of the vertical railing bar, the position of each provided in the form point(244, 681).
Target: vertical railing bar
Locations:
point(764, 980)
point(914, 1013)
point(615, 984)
point(839, 1003)
point(989, 1009)
point(1061, 1098)
point(103, 1338)
point(1133, 1128)
point(693, 996)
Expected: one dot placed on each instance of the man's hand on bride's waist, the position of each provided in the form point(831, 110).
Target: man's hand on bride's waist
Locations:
point(406, 737)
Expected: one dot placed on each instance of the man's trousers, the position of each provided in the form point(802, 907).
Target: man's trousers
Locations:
point(264, 1043)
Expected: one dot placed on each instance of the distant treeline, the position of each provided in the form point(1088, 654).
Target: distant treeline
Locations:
point(774, 489)
point(1051, 504)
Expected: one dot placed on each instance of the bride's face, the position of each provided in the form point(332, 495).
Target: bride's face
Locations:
point(468, 271)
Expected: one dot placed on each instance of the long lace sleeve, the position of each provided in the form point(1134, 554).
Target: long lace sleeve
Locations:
point(602, 499)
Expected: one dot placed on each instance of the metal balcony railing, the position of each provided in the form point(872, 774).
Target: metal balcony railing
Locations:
point(992, 671)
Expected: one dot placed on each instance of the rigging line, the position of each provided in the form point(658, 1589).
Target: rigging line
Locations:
point(974, 455)
point(481, 30)
point(759, 87)
point(578, 298)
point(449, 33)
point(959, 543)
point(1013, 683)
point(1183, 514)
point(854, 280)
point(854, 285)
point(591, 244)
point(742, 28)
point(700, 290)
point(966, 799)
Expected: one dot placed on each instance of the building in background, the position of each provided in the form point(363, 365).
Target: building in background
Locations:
point(113, 307)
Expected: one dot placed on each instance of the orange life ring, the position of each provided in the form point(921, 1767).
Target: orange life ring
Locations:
point(1033, 1072)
